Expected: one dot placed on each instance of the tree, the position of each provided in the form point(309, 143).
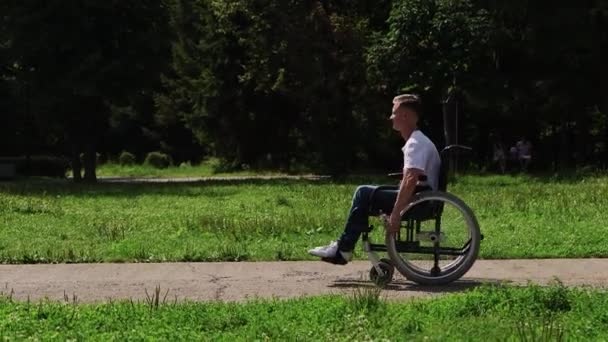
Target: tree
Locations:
point(549, 63)
point(255, 79)
point(432, 48)
point(79, 58)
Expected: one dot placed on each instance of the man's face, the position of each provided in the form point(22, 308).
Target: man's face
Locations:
point(401, 117)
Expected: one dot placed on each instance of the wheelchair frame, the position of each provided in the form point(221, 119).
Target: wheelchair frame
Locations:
point(383, 269)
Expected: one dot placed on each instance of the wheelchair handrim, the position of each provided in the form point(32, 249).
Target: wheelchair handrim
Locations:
point(458, 266)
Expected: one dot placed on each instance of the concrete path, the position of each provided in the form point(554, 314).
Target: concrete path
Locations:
point(246, 280)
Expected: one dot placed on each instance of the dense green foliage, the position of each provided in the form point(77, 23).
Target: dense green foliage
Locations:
point(126, 158)
point(487, 313)
point(300, 83)
point(78, 69)
point(158, 160)
point(56, 221)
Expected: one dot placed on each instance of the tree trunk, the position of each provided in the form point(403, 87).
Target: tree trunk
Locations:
point(604, 110)
point(484, 145)
point(76, 164)
point(90, 162)
point(564, 148)
point(555, 143)
point(583, 141)
point(603, 106)
point(602, 96)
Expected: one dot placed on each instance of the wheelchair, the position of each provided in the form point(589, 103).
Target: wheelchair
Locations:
point(438, 239)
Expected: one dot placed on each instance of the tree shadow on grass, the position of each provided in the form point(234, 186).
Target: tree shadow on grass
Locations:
point(213, 188)
point(403, 285)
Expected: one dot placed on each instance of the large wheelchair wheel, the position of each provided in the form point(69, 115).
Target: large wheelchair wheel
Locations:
point(438, 241)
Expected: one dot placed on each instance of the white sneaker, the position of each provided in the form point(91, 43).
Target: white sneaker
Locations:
point(331, 252)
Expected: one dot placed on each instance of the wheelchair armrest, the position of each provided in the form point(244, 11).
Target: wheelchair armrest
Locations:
point(422, 178)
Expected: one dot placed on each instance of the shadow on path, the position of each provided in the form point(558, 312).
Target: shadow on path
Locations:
point(410, 286)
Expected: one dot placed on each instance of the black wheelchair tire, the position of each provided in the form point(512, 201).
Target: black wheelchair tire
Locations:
point(382, 280)
point(452, 273)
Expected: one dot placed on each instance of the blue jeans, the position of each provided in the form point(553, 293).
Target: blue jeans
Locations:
point(358, 217)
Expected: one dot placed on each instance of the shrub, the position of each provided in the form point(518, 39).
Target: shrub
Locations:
point(158, 160)
point(126, 158)
point(218, 165)
point(214, 164)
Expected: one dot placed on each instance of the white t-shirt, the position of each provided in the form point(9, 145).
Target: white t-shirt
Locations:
point(420, 153)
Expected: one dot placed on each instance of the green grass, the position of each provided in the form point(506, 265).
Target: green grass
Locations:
point(486, 313)
point(208, 168)
point(56, 221)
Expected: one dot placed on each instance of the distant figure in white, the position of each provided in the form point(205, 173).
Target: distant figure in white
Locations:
point(524, 153)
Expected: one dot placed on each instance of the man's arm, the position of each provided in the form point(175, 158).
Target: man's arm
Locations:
point(406, 189)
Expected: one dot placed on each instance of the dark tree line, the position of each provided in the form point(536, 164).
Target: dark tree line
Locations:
point(297, 84)
point(71, 66)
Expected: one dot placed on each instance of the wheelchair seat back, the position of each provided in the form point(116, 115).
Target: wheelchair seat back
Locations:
point(447, 155)
point(432, 210)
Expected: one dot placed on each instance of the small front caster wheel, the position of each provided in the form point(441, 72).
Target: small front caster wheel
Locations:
point(381, 280)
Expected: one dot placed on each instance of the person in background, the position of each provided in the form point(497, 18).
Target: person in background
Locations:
point(524, 153)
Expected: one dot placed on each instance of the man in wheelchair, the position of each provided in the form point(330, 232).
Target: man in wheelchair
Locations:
point(421, 161)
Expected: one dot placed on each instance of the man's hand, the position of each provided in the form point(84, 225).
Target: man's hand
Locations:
point(406, 189)
point(394, 222)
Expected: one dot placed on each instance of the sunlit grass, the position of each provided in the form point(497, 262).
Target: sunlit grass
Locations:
point(207, 168)
point(486, 313)
point(56, 221)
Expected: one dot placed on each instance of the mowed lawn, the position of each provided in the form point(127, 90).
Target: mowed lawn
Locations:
point(58, 221)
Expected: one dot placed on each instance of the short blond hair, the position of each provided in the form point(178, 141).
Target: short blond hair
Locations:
point(406, 98)
point(411, 101)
